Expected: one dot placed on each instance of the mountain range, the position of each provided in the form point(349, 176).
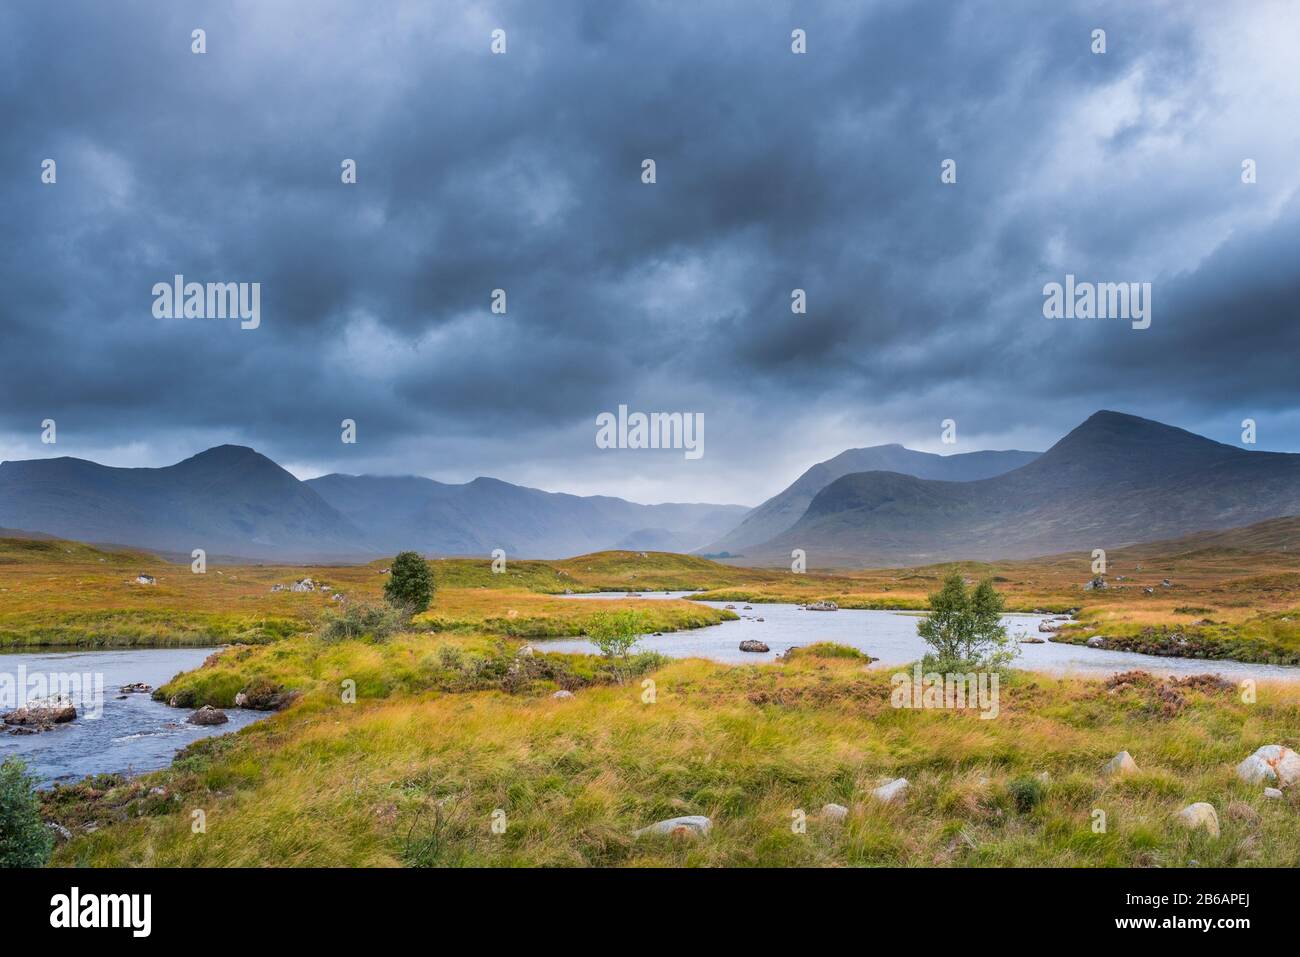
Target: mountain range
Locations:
point(784, 509)
point(1114, 480)
point(233, 501)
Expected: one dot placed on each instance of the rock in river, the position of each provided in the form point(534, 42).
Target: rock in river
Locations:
point(43, 712)
point(752, 645)
point(208, 715)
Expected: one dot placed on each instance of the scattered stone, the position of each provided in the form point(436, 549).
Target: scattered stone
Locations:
point(730, 608)
point(303, 584)
point(276, 587)
point(1048, 626)
point(138, 687)
point(894, 790)
point(1272, 763)
point(1201, 815)
point(834, 813)
point(694, 825)
point(526, 651)
point(562, 695)
point(752, 645)
point(42, 713)
point(760, 619)
point(1272, 793)
point(1044, 776)
point(749, 608)
point(1120, 765)
point(1096, 641)
point(143, 579)
point(207, 715)
point(822, 606)
point(1027, 640)
point(1148, 591)
point(1166, 583)
point(60, 832)
point(1096, 584)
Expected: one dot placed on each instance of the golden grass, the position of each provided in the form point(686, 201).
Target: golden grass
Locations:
point(416, 779)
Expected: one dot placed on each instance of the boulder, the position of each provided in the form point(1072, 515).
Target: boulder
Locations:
point(562, 695)
point(895, 790)
point(822, 606)
point(752, 645)
point(138, 687)
point(694, 825)
point(207, 715)
point(1272, 793)
point(1096, 641)
point(1120, 765)
point(1096, 584)
point(525, 652)
point(1272, 763)
point(834, 813)
point(1200, 815)
point(43, 712)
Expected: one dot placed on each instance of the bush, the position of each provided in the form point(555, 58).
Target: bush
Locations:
point(615, 632)
point(1026, 793)
point(410, 583)
point(362, 620)
point(965, 628)
point(25, 841)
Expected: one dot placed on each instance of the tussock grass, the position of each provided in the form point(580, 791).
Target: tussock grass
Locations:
point(414, 779)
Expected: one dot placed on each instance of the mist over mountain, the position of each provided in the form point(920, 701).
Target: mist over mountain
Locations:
point(1116, 479)
point(479, 516)
point(233, 501)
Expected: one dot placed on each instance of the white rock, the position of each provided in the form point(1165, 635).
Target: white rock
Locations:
point(526, 651)
point(1273, 793)
point(562, 695)
point(694, 825)
point(1273, 763)
point(1120, 765)
point(894, 790)
point(1199, 814)
point(835, 813)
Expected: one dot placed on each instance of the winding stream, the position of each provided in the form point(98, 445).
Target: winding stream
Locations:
point(891, 636)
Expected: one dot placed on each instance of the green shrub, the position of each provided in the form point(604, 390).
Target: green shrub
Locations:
point(377, 622)
point(25, 841)
point(410, 582)
point(1026, 793)
point(964, 629)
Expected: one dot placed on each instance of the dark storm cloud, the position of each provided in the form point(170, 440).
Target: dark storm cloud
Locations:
point(521, 171)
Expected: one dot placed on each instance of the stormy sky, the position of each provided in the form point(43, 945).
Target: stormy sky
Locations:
point(523, 171)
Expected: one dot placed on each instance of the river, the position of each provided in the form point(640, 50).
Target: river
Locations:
point(891, 636)
point(130, 735)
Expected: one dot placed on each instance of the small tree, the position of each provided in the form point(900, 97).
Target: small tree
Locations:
point(964, 628)
point(25, 841)
point(410, 582)
point(614, 633)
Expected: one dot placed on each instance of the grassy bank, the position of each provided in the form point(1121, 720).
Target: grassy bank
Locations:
point(409, 776)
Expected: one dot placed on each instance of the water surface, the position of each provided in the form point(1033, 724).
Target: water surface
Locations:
point(132, 735)
point(891, 637)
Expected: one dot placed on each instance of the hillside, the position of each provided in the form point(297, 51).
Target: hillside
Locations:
point(1114, 480)
point(782, 510)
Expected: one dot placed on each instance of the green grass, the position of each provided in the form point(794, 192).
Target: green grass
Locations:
point(414, 779)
